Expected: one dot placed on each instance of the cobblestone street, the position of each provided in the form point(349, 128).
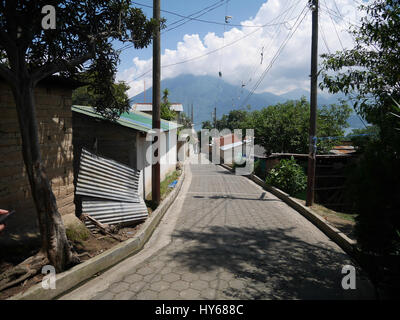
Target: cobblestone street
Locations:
point(231, 240)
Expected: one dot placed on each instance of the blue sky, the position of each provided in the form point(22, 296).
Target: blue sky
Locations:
point(280, 70)
point(239, 10)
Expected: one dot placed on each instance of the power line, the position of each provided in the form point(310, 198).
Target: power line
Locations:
point(277, 32)
point(215, 5)
point(199, 13)
point(279, 51)
point(202, 20)
point(323, 37)
point(189, 18)
point(334, 26)
point(200, 56)
point(287, 12)
point(338, 15)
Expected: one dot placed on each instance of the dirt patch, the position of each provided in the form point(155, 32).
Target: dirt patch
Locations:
point(86, 244)
point(92, 244)
point(342, 221)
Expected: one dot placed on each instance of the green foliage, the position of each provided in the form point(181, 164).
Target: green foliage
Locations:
point(207, 125)
point(258, 169)
point(85, 96)
point(185, 121)
point(284, 127)
point(373, 188)
point(81, 43)
point(287, 176)
point(166, 113)
point(363, 137)
point(235, 119)
point(369, 74)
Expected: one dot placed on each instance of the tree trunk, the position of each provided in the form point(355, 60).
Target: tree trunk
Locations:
point(54, 240)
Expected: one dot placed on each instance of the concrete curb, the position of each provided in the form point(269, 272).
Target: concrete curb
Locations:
point(84, 271)
point(347, 244)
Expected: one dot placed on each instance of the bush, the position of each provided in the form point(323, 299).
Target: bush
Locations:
point(288, 176)
point(258, 169)
point(374, 189)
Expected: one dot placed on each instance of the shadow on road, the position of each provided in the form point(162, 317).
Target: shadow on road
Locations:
point(274, 264)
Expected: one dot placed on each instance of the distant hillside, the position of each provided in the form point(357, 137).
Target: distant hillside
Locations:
point(206, 92)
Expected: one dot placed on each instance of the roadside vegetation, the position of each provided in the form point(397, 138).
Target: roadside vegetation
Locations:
point(369, 75)
point(164, 189)
point(288, 176)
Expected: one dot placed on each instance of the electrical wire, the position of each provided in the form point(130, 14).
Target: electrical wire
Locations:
point(323, 37)
point(286, 13)
point(334, 26)
point(199, 13)
point(203, 20)
point(200, 56)
point(277, 54)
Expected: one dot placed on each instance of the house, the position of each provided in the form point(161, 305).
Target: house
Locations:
point(230, 148)
point(54, 116)
point(148, 107)
point(124, 140)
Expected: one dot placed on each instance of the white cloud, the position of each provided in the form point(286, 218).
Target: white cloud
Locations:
point(240, 62)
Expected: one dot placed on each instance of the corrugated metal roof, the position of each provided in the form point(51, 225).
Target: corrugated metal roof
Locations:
point(149, 107)
point(134, 119)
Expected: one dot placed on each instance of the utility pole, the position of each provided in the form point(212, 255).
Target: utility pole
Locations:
point(191, 116)
point(215, 117)
point(313, 105)
point(155, 169)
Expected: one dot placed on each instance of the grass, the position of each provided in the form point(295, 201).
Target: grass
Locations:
point(164, 189)
point(323, 211)
point(77, 233)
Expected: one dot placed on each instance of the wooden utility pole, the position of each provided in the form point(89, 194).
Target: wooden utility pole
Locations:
point(313, 105)
point(155, 169)
point(215, 117)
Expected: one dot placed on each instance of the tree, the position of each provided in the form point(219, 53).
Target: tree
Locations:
point(85, 95)
point(369, 74)
point(32, 50)
point(207, 125)
point(166, 112)
point(284, 127)
point(235, 119)
point(185, 121)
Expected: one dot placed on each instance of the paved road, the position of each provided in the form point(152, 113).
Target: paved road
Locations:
point(227, 238)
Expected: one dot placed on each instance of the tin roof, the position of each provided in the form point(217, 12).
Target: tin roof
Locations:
point(134, 119)
point(178, 107)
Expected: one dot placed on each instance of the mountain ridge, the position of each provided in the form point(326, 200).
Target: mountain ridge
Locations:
point(207, 92)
